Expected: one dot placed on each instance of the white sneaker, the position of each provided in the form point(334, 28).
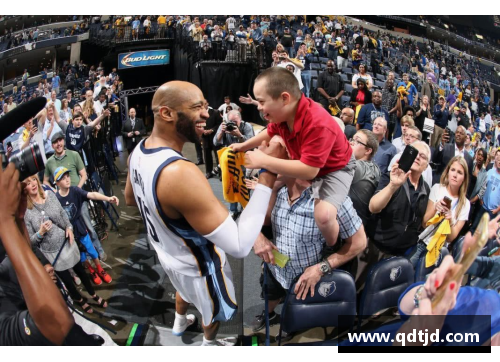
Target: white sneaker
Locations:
point(179, 327)
point(228, 342)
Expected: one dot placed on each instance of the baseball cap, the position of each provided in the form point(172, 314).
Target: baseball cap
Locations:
point(60, 172)
point(87, 81)
point(287, 28)
point(441, 97)
point(456, 109)
point(57, 137)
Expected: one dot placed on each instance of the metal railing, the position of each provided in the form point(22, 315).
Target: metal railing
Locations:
point(110, 36)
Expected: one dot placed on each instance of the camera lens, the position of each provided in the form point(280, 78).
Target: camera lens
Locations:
point(29, 161)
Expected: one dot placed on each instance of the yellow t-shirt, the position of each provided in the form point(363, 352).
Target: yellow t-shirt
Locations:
point(162, 20)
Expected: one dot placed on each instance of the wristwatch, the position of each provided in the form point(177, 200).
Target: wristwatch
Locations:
point(324, 267)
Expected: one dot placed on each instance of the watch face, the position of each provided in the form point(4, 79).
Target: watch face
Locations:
point(324, 268)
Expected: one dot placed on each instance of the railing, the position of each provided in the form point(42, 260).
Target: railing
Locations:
point(37, 45)
point(125, 34)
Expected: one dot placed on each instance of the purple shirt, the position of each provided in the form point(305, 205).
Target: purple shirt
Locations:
point(451, 98)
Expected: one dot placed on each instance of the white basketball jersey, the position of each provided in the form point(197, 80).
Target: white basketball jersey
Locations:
point(178, 245)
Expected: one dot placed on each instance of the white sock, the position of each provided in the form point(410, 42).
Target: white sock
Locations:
point(181, 317)
point(208, 342)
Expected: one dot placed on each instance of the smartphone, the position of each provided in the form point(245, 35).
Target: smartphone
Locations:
point(35, 122)
point(407, 158)
point(447, 200)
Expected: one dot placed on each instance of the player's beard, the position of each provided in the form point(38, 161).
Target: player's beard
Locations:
point(187, 128)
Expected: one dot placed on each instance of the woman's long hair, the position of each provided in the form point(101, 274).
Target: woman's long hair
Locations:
point(89, 107)
point(462, 191)
point(41, 192)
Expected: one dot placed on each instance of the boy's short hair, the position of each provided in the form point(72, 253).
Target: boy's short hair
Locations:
point(280, 80)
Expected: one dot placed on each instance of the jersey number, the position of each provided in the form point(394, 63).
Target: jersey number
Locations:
point(147, 221)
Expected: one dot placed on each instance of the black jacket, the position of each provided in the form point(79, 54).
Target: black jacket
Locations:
point(441, 158)
point(131, 142)
point(213, 123)
point(394, 230)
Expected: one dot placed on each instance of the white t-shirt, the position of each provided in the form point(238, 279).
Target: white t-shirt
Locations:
point(439, 191)
point(297, 72)
point(231, 22)
point(399, 144)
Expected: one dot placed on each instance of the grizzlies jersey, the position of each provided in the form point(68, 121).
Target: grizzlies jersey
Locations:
point(178, 245)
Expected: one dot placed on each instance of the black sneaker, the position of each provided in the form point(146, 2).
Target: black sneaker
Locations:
point(260, 321)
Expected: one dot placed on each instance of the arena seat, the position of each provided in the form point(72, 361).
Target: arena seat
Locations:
point(317, 66)
point(344, 77)
point(344, 101)
point(381, 77)
point(384, 284)
point(333, 305)
point(380, 84)
point(348, 88)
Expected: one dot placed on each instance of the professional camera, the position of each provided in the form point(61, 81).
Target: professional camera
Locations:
point(231, 126)
point(30, 160)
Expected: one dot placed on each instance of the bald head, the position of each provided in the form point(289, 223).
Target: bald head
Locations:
point(176, 94)
point(347, 115)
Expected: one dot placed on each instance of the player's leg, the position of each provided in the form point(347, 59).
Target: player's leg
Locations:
point(182, 319)
point(325, 215)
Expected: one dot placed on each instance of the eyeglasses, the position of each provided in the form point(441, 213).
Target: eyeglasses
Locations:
point(355, 141)
point(423, 156)
point(413, 137)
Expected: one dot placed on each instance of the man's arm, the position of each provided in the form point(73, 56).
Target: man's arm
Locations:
point(380, 200)
point(99, 119)
point(289, 168)
point(83, 177)
point(174, 190)
point(45, 304)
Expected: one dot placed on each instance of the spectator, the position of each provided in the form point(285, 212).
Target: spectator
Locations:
point(287, 41)
point(70, 80)
point(212, 125)
point(367, 175)
point(347, 116)
point(223, 137)
point(362, 74)
point(305, 59)
point(98, 87)
point(399, 142)
point(399, 205)
point(296, 64)
point(206, 48)
point(453, 184)
point(57, 102)
point(423, 112)
point(440, 117)
point(44, 73)
point(386, 150)
point(330, 87)
point(360, 96)
point(72, 200)
point(72, 161)
point(56, 82)
point(70, 100)
point(132, 131)
point(303, 246)
point(25, 77)
point(489, 193)
point(371, 111)
point(10, 104)
point(47, 122)
point(227, 102)
point(85, 89)
point(48, 226)
point(446, 151)
point(65, 114)
point(390, 102)
point(428, 90)
point(343, 53)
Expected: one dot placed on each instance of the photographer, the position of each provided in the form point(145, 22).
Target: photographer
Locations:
point(47, 320)
point(235, 130)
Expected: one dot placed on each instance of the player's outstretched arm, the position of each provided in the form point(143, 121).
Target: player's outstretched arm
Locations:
point(183, 190)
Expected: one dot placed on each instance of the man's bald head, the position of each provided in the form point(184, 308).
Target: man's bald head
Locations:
point(175, 94)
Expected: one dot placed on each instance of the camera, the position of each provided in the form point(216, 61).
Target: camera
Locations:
point(30, 160)
point(231, 126)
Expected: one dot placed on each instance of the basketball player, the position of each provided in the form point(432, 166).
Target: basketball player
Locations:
point(189, 228)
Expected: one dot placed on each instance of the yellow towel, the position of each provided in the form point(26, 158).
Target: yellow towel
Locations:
point(438, 240)
point(234, 188)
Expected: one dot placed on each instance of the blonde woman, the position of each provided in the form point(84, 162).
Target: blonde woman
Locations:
point(48, 226)
point(453, 185)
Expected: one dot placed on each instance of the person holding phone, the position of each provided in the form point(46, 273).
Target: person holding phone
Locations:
point(399, 205)
point(448, 198)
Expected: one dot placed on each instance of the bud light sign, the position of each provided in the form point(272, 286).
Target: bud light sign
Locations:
point(143, 58)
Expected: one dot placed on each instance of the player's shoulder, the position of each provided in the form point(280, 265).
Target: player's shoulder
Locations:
point(180, 172)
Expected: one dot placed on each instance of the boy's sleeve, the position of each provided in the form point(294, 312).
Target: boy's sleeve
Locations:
point(316, 147)
point(81, 194)
point(272, 129)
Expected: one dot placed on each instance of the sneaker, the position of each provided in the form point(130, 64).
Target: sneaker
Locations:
point(178, 329)
point(103, 256)
point(95, 278)
point(259, 321)
point(105, 276)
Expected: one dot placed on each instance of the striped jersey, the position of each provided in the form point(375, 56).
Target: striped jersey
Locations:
point(178, 245)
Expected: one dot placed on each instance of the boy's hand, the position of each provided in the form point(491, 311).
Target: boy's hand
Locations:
point(114, 200)
point(237, 147)
point(255, 159)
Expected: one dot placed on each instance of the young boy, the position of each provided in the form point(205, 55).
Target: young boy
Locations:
point(318, 148)
point(72, 199)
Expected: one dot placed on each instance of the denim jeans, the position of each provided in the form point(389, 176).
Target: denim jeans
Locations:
point(306, 80)
point(417, 253)
point(290, 51)
point(88, 223)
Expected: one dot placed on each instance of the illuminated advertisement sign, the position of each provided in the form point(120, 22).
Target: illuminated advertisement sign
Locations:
point(143, 58)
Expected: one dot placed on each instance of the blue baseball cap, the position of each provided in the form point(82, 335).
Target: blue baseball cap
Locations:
point(60, 172)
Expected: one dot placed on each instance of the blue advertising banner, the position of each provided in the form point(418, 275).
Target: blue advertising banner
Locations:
point(143, 58)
